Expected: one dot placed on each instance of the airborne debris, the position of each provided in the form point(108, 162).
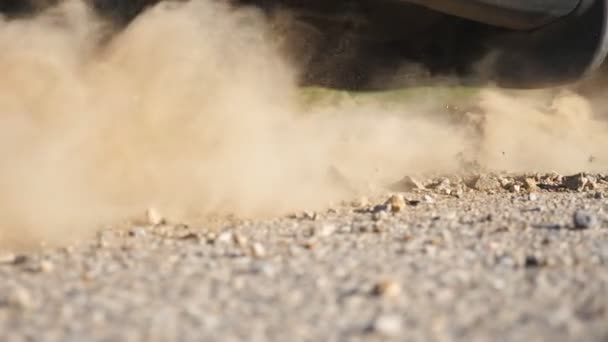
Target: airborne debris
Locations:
point(154, 217)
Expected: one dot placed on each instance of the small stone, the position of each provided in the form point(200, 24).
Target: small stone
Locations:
point(258, 250)
point(379, 208)
point(137, 232)
point(407, 184)
point(240, 240)
point(584, 220)
point(210, 237)
point(532, 197)
point(530, 185)
point(386, 288)
point(379, 216)
point(486, 183)
point(224, 237)
point(20, 298)
point(310, 215)
point(445, 191)
point(309, 244)
point(428, 199)
point(378, 228)
point(154, 217)
point(7, 258)
point(576, 182)
point(324, 230)
point(396, 203)
point(387, 325)
point(413, 203)
point(513, 187)
point(531, 261)
point(46, 266)
point(263, 268)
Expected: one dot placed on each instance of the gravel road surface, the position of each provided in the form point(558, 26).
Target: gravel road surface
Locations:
point(492, 257)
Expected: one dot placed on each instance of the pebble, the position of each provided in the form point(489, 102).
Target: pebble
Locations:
point(584, 220)
point(21, 298)
point(258, 250)
point(240, 240)
point(137, 232)
point(7, 258)
point(514, 187)
point(396, 203)
point(224, 237)
point(379, 216)
point(575, 182)
point(407, 184)
point(46, 266)
point(387, 325)
point(154, 217)
point(486, 183)
point(530, 185)
point(387, 288)
point(324, 230)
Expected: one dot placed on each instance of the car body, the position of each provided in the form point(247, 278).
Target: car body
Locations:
point(511, 43)
point(371, 44)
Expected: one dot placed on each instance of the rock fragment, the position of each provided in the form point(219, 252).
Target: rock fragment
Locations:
point(577, 182)
point(408, 184)
point(20, 298)
point(240, 240)
point(258, 250)
point(386, 288)
point(584, 220)
point(153, 217)
point(7, 258)
point(396, 203)
point(387, 325)
point(485, 183)
point(530, 185)
point(47, 266)
point(225, 237)
point(324, 230)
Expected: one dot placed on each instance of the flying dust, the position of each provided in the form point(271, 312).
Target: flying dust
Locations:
point(192, 109)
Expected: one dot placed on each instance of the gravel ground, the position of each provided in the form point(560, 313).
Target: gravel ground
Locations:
point(495, 257)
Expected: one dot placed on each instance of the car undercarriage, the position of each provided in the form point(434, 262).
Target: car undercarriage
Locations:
point(372, 44)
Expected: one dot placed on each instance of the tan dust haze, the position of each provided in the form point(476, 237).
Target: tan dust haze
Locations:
point(193, 111)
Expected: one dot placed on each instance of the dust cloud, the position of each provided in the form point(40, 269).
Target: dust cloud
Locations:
point(193, 110)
